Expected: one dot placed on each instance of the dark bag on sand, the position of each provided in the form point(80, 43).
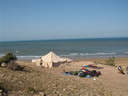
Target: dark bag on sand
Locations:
point(81, 74)
point(93, 73)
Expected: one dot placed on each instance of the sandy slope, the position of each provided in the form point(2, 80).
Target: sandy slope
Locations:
point(54, 83)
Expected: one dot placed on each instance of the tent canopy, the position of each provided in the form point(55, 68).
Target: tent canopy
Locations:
point(51, 60)
point(52, 57)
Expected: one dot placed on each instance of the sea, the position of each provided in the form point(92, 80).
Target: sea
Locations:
point(69, 48)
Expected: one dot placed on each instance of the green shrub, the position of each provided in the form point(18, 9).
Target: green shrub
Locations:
point(110, 61)
point(7, 58)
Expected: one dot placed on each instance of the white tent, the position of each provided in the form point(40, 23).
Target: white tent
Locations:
point(52, 60)
point(67, 59)
point(37, 61)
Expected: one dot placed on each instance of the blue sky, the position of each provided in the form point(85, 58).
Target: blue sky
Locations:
point(62, 19)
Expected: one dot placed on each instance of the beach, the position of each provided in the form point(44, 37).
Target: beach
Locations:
point(64, 48)
point(53, 82)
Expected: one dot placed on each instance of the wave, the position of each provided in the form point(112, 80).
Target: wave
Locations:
point(90, 54)
point(100, 53)
point(1, 54)
point(74, 55)
point(16, 51)
point(126, 52)
point(28, 57)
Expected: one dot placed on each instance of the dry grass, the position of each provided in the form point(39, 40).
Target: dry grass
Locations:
point(52, 82)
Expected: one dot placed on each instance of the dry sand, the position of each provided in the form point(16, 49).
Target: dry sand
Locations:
point(53, 82)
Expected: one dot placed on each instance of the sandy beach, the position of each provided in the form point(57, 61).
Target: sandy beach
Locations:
point(64, 48)
point(53, 82)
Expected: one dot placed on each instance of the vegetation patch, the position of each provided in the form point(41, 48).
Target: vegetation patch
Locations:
point(8, 58)
point(110, 61)
point(9, 61)
point(3, 90)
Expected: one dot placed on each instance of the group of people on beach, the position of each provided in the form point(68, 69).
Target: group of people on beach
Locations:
point(121, 70)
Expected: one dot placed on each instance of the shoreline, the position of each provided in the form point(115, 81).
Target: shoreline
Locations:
point(84, 59)
point(81, 58)
point(71, 57)
point(118, 60)
point(99, 59)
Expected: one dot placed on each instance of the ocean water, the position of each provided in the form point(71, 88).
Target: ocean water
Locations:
point(73, 48)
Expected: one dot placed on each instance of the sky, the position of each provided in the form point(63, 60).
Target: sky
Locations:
point(62, 19)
